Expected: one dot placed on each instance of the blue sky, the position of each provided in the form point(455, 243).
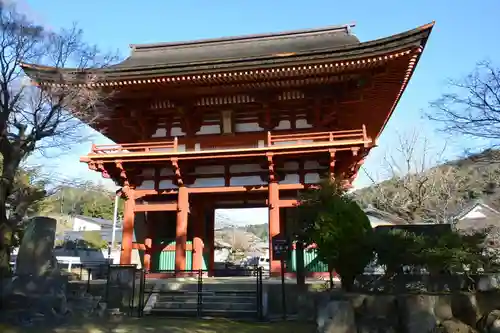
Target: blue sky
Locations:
point(464, 34)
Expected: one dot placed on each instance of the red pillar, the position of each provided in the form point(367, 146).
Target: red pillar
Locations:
point(128, 227)
point(274, 225)
point(181, 229)
point(198, 219)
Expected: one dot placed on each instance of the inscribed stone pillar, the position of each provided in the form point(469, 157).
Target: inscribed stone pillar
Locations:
point(36, 253)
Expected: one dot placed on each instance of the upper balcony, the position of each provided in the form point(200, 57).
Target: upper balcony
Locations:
point(276, 144)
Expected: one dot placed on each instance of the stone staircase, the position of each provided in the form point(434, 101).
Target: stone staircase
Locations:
point(216, 300)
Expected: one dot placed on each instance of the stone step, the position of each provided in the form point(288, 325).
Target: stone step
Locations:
point(206, 306)
point(207, 298)
point(205, 312)
point(250, 287)
point(228, 293)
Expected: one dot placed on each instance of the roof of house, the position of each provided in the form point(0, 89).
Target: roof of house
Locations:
point(479, 215)
point(380, 217)
point(486, 209)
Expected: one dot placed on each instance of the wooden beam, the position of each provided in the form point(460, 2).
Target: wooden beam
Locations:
point(287, 203)
point(156, 207)
point(142, 193)
point(257, 188)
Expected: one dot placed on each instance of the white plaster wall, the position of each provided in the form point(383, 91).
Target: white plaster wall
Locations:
point(208, 182)
point(160, 133)
point(246, 181)
point(247, 127)
point(302, 123)
point(166, 185)
point(209, 129)
point(283, 125)
point(82, 225)
point(147, 185)
point(291, 178)
point(312, 178)
point(177, 131)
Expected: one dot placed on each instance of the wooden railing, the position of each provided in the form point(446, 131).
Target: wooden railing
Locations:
point(142, 147)
point(304, 138)
point(282, 140)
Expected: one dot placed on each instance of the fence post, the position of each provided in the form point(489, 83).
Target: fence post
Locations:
point(142, 290)
point(107, 284)
point(199, 307)
point(258, 299)
point(132, 300)
point(261, 296)
point(176, 143)
point(89, 273)
point(269, 143)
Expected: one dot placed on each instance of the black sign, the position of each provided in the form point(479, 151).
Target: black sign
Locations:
point(280, 249)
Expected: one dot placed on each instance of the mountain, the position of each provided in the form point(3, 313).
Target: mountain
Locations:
point(437, 194)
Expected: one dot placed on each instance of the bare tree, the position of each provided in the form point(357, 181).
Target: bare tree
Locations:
point(240, 241)
point(473, 105)
point(417, 190)
point(33, 118)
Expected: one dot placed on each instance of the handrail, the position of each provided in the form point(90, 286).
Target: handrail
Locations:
point(135, 147)
point(358, 136)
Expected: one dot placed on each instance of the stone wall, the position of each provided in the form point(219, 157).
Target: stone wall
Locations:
point(339, 312)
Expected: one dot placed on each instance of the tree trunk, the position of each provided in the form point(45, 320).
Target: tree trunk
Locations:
point(299, 264)
point(347, 282)
point(330, 274)
point(6, 233)
point(7, 228)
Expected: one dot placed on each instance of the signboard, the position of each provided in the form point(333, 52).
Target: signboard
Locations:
point(280, 249)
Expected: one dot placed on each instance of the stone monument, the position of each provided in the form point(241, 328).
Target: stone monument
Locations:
point(38, 288)
point(36, 253)
point(38, 291)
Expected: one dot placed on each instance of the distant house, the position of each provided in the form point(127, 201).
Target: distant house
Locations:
point(378, 218)
point(222, 251)
point(85, 223)
point(477, 215)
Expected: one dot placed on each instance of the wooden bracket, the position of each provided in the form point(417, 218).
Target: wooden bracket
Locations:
point(177, 171)
point(271, 168)
point(123, 173)
point(332, 163)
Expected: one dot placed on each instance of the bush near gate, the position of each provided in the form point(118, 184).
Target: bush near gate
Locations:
point(330, 218)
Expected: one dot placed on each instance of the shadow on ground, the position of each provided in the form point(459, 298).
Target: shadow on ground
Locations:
point(164, 325)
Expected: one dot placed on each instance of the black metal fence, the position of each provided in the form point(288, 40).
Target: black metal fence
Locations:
point(203, 295)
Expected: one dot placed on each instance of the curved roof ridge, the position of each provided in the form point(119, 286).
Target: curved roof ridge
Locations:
point(328, 29)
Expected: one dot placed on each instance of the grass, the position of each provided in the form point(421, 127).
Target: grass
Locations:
point(168, 325)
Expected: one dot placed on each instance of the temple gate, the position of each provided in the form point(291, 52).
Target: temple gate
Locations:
point(236, 122)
